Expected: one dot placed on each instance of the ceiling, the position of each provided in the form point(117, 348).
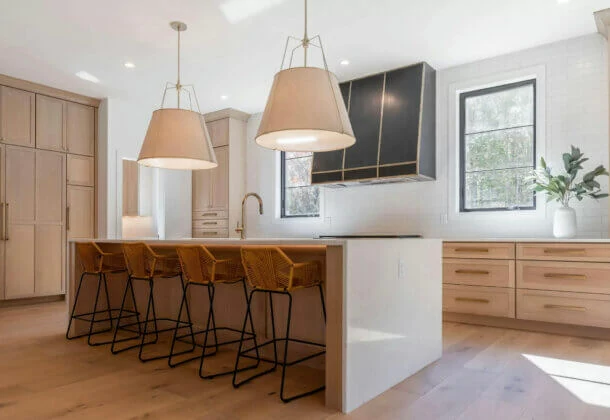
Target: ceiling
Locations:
point(233, 47)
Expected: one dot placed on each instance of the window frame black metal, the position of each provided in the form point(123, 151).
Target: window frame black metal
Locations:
point(462, 141)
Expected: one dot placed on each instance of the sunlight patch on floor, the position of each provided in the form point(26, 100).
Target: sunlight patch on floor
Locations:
point(588, 382)
point(358, 335)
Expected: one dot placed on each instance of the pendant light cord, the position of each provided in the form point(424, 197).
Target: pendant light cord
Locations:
point(305, 39)
point(178, 81)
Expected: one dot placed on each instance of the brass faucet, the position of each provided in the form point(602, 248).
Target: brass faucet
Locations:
point(242, 229)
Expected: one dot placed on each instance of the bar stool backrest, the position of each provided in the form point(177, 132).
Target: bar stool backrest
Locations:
point(267, 267)
point(197, 263)
point(90, 256)
point(140, 259)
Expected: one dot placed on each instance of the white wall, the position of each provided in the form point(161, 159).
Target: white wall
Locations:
point(575, 102)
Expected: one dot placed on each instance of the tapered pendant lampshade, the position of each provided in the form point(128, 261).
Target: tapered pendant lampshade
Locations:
point(177, 139)
point(305, 110)
point(305, 113)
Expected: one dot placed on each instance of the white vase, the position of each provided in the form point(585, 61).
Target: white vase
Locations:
point(564, 222)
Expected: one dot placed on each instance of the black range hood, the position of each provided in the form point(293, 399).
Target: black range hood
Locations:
point(393, 115)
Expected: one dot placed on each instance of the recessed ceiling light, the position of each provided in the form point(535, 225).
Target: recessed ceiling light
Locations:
point(129, 65)
point(224, 97)
point(344, 62)
point(87, 76)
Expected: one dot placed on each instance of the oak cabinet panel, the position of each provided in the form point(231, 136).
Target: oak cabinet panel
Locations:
point(219, 132)
point(17, 122)
point(49, 257)
point(50, 123)
point(485, 250)
point(220, 179)
point(81, 170)
point(81, 212)
point(495, 273)
point(19, 265)
point(80, 129)
point(479, 300)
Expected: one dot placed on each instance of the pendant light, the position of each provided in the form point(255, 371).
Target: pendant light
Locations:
point(305, 110)
point(178, 138)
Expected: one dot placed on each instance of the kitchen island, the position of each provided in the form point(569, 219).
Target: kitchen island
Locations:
point(383, 300)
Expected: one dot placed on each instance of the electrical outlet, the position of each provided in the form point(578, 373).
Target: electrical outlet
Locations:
point(402, 270)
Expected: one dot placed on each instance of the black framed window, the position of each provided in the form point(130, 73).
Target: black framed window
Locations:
point(497, 147)
point(299, 197)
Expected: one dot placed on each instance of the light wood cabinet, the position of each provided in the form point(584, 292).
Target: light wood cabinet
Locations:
point(130, 188)
point(80, 129)
point(479, 300)
point(38, 125)
point(495, 273)
point(81, 170)
point(220, 179)
point(20, 191)
point(211, 186)
point(80, 212)
point(50, 123)
point(219, 132)
point(49, 252)
point(486, 250)
point(17, 122)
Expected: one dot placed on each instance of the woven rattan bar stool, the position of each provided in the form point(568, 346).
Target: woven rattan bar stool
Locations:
point(97, 264)
point(146, 265)
point(201, 268)
point(270, 271)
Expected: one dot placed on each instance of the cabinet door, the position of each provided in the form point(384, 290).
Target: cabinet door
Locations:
point(2, 221)
point(365, 116)
point(400, 137)
point(50, 123)
point(130, 188)
point(16, 116)
point(220, 179)
point(49, 232)
point(80, 129)
point(202, 190)
point(81, 170)
point(20, 187)
point(219, 132)
point(81, 212)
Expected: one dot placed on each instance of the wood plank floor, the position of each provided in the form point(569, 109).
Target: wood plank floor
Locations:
point(485, 373)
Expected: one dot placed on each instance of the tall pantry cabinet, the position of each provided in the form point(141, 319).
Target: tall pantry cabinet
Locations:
point(47, 184)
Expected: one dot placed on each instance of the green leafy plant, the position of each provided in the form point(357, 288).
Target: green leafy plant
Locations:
point(563, 188)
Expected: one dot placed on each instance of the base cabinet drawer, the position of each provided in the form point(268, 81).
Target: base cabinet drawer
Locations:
point(210, 233)
point(210, 224)
point(478, 300)
point(564, 252)
point(210, 214)
point(564, 307)
point(570, 276)
point(485, 250)
point(495, 273)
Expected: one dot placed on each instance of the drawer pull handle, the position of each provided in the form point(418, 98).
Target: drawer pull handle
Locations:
point(565, 276)
point(566, 307)
point(481, 272)
point(475, 300)
point(565, 250)
point(471, 249)
point(209, 214)
point(209, 223)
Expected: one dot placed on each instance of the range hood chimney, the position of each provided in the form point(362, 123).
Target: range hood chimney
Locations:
point(393, 115)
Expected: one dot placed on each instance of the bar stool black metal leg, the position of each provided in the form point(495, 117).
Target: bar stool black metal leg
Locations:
point(273, 329)
point(287, 340)
point(97, 298)
point(258, 357)
point(135, 308)
point(107, 299)
point(188, 312)
point(80, 283)
point(175, 336)
point(211, 294)
point(207, 331)
point(145, 332)
point(118, 324)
